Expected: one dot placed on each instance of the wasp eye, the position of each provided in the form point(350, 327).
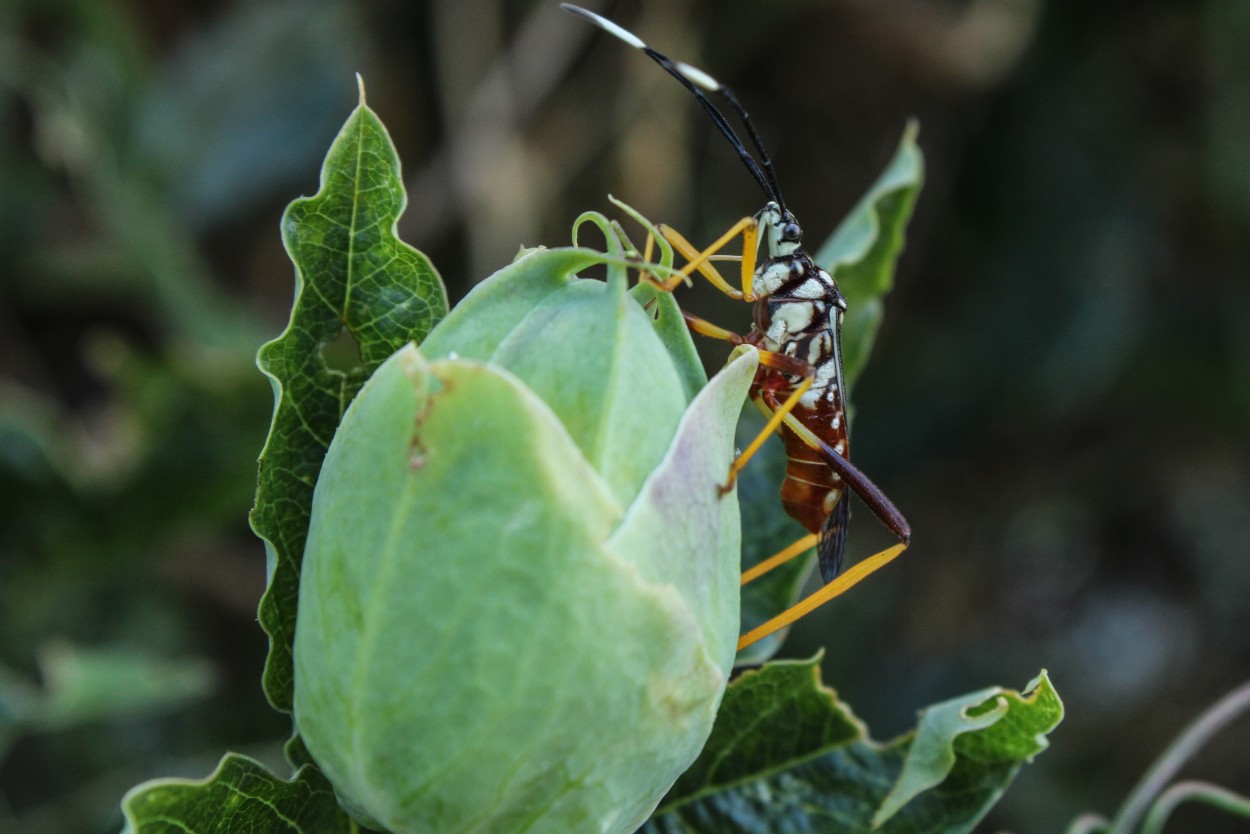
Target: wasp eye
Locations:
point(791, 232)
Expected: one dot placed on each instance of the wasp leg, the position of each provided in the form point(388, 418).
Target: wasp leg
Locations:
point(748, 227)
point(778, 411)
point(713, 331)
point(770, 428)
point(837, 587)
point(876, 500)
point(783, 363)
point(779, 558)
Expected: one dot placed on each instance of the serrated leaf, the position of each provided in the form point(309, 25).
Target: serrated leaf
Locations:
point(862, 251)
point(989, 727)
point(241, 795)
point(775, 716)
point(351, 274)
point(787, 755)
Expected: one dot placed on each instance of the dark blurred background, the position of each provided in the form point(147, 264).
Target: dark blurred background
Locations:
point(1059, 399)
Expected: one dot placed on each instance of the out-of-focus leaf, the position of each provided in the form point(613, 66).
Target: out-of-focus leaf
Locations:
point(352, 274)
point(217, 140)
point(787, 755)
point(862, 251)
point(82, 685)
point(240, 796)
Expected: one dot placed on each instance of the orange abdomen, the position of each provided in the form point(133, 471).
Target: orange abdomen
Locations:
point(811, 488)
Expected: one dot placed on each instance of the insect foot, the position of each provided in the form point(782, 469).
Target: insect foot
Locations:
point(533, 629)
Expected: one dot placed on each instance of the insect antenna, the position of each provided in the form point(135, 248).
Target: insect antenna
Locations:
point(693, 78)
point(765, 161)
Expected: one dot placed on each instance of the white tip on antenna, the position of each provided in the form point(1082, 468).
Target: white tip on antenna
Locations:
point(607, 25)
point(698, 76)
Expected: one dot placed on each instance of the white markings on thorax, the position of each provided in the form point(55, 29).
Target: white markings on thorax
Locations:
point(788, 319)
point(811, 289)
point(769, 278)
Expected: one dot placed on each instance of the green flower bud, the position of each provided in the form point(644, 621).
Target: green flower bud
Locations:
point(519, 599)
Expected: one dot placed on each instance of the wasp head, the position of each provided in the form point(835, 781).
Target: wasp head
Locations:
point(780, 230)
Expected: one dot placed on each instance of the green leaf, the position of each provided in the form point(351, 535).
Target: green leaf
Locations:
point(353, 275)
point(494, 307)
point(683, 533)
point(82, 684)
point(455, 510)
point(989, 727)
point(673, 332)
point(788, 717)
point(787, 755)
point(240, 796)
point(862, 251)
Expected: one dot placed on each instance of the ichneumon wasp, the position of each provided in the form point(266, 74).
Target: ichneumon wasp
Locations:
point(797, 329)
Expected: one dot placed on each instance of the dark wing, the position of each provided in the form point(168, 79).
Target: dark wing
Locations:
point(833, 538)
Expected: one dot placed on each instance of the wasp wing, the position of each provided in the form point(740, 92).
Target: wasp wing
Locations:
point(833, 538)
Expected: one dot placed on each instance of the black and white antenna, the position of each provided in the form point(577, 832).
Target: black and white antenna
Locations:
point(696, 81)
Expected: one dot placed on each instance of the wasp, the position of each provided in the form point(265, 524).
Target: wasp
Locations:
point(797, 328)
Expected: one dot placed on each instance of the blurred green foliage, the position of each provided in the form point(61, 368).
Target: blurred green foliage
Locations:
point(1059, 399)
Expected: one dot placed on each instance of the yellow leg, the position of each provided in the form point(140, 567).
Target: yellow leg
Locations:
point(837, 587)
point(780, 558)
point(645, 275)
point(700, 261)
point(787, 364)
point(769, 429)
point(749, 237)
point(713, 331)
point(882, 507)
point(783, 363)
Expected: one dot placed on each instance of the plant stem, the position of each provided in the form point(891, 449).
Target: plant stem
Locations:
point(1088, 824)
point(1221, 798)
point(1180, 751)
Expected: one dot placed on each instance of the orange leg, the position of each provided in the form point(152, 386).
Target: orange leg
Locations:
point(700, 262)
point(780, 558)
point(786, 364)
point(880, 505)
point(769, 428)
point(748, 227)
point(837, 587)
